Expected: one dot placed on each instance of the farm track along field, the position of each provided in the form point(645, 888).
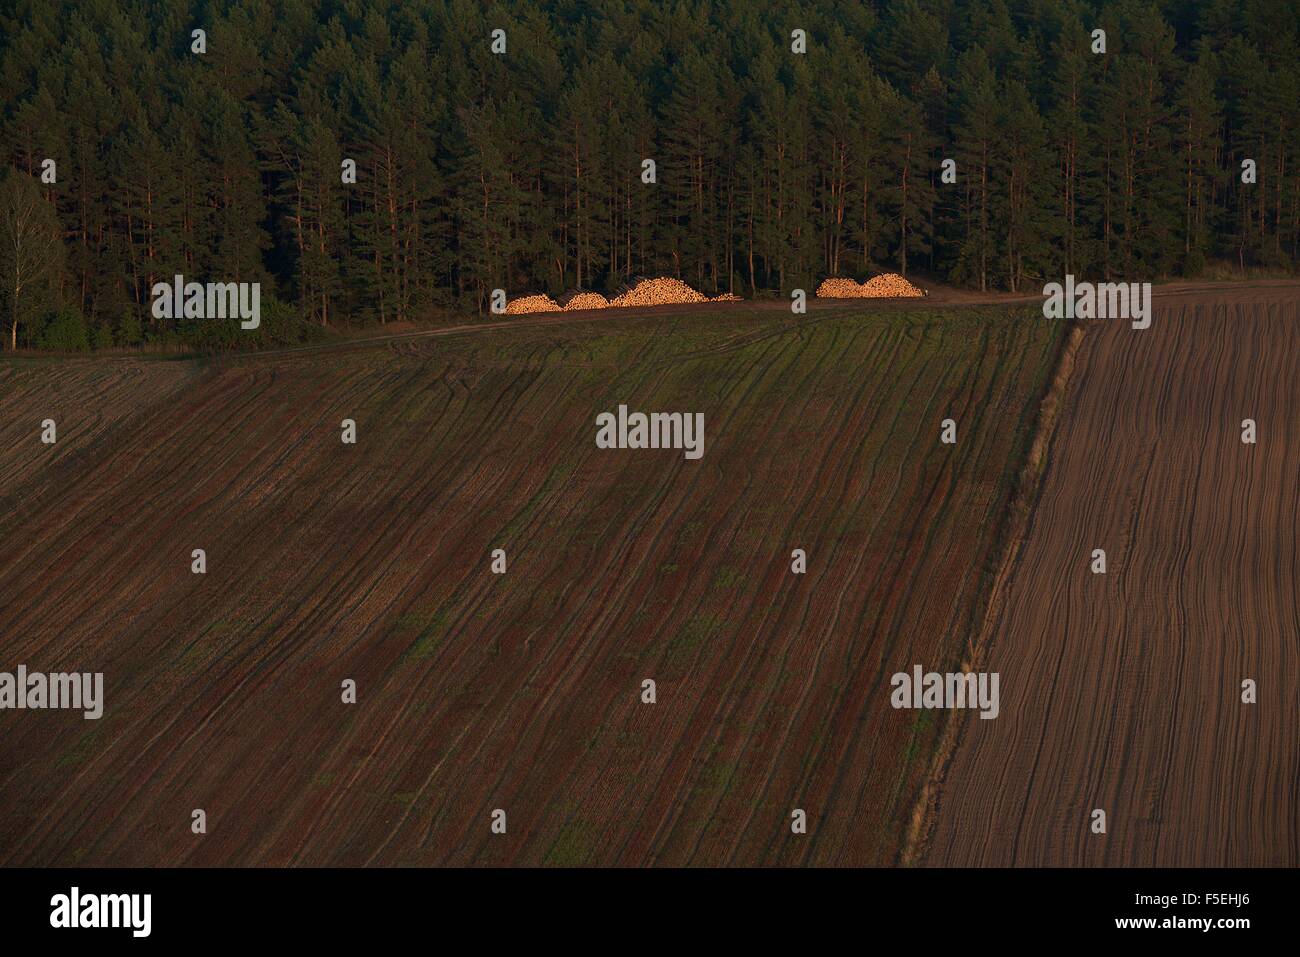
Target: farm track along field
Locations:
point(1123, 691)
point(478, 691)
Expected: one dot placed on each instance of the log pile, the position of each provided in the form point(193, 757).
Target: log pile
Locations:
point(658, 292)
point(648, 292)
point(538, 303)
point(837, 288)
point(888, 285)
point(586, 300)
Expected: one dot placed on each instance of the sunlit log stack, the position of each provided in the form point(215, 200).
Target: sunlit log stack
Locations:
point(586, 300)
point(658, 292)
point(885, 286)
point(538, 303)
point(663, 291)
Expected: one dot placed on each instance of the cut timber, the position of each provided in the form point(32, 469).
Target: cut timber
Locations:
point(538, 303)
point(586, 300)
point(887, 285)
point(664, 291)
point(658, 292)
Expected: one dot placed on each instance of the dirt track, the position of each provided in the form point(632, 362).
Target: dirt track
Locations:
point(946, 297)
point(1123, 691)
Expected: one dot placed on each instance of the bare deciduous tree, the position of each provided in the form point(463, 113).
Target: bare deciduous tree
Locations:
point(30, 250)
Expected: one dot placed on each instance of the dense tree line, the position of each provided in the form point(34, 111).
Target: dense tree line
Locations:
point(525, 169)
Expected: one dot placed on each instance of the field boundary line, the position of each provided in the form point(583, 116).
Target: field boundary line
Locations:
point(1021, 509)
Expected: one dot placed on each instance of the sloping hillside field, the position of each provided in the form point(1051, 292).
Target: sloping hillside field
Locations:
point(523, 691)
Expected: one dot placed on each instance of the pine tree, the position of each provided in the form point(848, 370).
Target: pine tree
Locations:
point(979, 138)
point(1200, 147)
point(1023, 175)
point(910, 192)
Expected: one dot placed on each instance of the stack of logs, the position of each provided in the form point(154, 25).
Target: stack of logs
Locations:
point(885, 286)
point(648, 292)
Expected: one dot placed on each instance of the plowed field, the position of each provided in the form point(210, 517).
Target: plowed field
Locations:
point(520, 691)
point(1123, 691)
